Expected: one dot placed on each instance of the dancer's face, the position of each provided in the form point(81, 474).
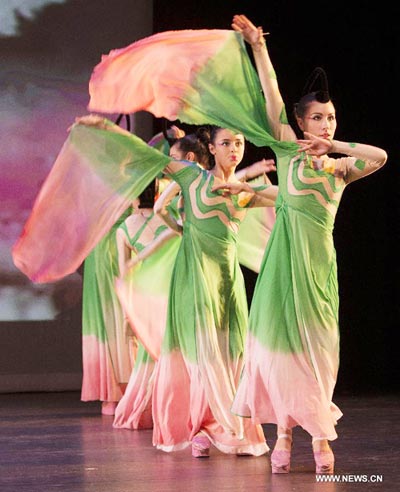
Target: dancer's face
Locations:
point(227, 148)
point(319, 120)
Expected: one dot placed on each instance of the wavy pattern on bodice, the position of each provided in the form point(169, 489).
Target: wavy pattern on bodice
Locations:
point(329, 200)
point(231, 217)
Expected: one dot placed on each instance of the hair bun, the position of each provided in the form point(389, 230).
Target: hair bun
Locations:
point(203, 134)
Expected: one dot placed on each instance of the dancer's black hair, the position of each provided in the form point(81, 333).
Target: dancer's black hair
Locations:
point(315, 89)
point(196, 142)
point(321, 94)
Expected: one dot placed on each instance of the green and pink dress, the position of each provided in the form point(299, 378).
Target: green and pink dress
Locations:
point(293, 340)
point(107, 356)
point(202, 353)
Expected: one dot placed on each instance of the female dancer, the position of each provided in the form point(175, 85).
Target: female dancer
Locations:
point(293, 341)
point(107, 349)
point(202, 350)
point(143, 295)
point(197, 372)
point(137, 397)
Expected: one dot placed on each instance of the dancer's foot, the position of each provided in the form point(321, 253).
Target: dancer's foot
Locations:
point(280, 457)
point(323, 456)
point(200, 446)
point(108, 407)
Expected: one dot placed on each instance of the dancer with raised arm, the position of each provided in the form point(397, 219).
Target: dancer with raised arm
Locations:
point(292, 352)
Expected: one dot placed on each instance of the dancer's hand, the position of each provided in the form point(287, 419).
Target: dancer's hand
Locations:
point(233, 188)
point(175, 132)
point(313, 145)
point(100, 122)
point(91, 120)
point(260, 167)
point(252, 34)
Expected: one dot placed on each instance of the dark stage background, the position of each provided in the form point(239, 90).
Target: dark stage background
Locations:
point(357, 46)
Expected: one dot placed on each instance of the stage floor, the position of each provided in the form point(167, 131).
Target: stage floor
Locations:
point(53, 441)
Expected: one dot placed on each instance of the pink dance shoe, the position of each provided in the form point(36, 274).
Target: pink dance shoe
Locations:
point(324, 462)
point(108, 407)
point(280, 458)
point(280, 461)
point(200, 446)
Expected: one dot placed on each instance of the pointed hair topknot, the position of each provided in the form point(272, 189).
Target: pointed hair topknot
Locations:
point(322, 90)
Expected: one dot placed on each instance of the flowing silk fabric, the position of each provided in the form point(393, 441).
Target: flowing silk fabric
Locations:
point(93, 181)
point(195, 76)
